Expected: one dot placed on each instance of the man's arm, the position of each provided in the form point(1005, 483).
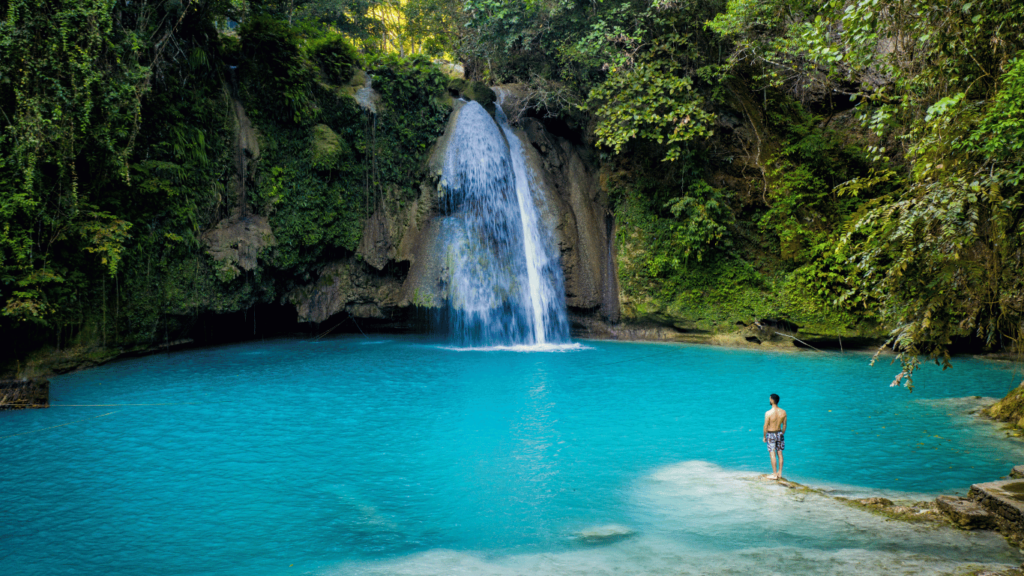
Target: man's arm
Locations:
point(785, 422)
point(764, 430)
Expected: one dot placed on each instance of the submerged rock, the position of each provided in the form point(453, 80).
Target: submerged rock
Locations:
point(606, 534)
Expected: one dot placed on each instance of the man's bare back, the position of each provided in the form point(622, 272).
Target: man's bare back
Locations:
point(775, 420)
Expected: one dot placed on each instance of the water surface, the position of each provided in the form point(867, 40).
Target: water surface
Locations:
point(403, 456)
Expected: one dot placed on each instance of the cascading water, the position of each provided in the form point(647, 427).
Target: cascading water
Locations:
point(505, 284)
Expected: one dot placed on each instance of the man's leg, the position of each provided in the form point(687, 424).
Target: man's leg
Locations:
point(780, 465)
point(771, 454)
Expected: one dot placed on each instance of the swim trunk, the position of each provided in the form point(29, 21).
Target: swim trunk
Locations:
point(776, 441)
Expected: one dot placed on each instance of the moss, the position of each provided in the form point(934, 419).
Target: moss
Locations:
point(474, 90)
point(47, 361)
point(986, 571)
point(326, 148)
point(1009, 409)
point(733, 283)
point(919, 513)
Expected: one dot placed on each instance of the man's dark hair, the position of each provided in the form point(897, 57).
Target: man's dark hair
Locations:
point(775, 398)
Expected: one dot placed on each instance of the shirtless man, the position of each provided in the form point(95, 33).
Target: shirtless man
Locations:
point(774, 431)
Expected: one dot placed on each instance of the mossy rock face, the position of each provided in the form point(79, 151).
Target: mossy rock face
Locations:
point(473, 90)
point(358, 79)
point(1009, 409)
point(326, 148)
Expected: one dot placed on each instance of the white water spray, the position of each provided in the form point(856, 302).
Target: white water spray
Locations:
point(505, 282)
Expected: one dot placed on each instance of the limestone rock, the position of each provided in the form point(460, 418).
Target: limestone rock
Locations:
point(346, 286)
point(1005, 500)
point(360, 88)
point(472, 90)
point(376, 245)
point(966, 513)
point(391, 235)
point(358, 80)
point(1010, 408)
point(235, 243)
point(453, 70)
point(875, 501)
point(246, 152)
point(1017, 472)
point(575, 207)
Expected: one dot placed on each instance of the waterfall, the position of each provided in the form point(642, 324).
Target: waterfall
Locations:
point(505, 284)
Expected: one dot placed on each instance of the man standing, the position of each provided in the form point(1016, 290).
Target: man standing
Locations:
point(774, 432)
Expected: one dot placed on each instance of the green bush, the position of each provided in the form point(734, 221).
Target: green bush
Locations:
point(335, 56)
point(274, 56)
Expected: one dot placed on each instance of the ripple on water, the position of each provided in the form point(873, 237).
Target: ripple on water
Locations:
point(402, 457)
point(698, 518)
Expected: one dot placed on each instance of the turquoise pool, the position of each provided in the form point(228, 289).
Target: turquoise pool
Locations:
point(399, 455)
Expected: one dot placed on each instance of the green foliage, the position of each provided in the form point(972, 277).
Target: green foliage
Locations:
point(705, 219)
point(804, 203)
point(106, 235)
point(904, 55)
point(652, 102)
point(934, 248)
point(414, 108)
point(275, 61)
point(71, 81)
point(675, 233)
point(335, 56)
point(400, 27)
point(571, 48)
point(326, 149)
point(118, 151)
point(317, 185)
point(943, 255)
point(726, 287)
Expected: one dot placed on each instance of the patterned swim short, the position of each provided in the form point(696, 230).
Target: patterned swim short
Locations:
point(776, 441)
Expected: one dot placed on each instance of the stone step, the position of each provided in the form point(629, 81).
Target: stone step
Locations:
point(966, 513)
point(1005, 500)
